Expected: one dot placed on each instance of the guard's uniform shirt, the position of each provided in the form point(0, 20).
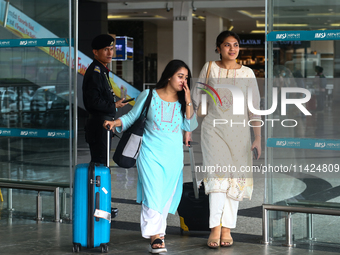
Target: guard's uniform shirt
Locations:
point(97, 92)
point(99, 101)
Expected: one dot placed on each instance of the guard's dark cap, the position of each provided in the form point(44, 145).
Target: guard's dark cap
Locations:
point(102, 41)
point(318, 69)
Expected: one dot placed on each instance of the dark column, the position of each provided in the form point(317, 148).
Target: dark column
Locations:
point(92, 22)
point(336, 59)
point(336, 89)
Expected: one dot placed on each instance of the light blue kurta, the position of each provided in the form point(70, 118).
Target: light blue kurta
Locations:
point(160, 161)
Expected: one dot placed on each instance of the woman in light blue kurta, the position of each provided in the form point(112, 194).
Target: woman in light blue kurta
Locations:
point(160, 162)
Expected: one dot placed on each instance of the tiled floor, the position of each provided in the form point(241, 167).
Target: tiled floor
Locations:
point(56, 238)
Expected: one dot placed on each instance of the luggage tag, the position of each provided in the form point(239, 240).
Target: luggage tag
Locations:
point(105, 191)
point(102, 214)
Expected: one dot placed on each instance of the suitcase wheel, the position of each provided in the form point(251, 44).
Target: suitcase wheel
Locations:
point(76, 248)
point(114, 213)
point(105, 248)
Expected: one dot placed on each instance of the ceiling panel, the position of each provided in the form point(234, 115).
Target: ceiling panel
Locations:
point(244, 16)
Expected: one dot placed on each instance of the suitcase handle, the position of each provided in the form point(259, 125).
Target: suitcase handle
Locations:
point(108, 146)
point(193, 170)
point(97, 203)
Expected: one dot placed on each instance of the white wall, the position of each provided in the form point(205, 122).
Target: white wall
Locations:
point(165, 50)
point(213, 27)
point(198, 53)
point(322, 46)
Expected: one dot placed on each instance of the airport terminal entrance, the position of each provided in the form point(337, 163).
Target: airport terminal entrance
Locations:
point(36, 107)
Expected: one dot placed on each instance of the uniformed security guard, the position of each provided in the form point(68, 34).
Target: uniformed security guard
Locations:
point(99, 98)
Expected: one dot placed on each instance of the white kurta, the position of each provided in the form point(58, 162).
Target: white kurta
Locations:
point(227, 145)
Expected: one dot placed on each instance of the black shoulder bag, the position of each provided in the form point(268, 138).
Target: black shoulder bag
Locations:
point(130, 143)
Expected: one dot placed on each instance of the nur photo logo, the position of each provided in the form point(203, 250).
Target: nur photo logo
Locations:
point(204, 97)
point(238, 101)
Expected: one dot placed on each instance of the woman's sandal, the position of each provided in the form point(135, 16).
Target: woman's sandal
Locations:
point(157, 250)
point(211, 241)
point(229, 240)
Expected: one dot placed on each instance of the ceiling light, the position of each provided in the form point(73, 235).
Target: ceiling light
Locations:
point(252, 15)
point(195, 16)
point(135, 17)
point(281, 25)
point(296, 10)
point(257, 31)
point(118, 16)
point(321, 14)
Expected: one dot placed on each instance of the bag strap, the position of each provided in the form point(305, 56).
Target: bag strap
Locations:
point(208, 73)
point(147, 104)
point(145, 109)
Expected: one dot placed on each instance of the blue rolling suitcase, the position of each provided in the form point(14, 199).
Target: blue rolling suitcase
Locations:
point(91, 206)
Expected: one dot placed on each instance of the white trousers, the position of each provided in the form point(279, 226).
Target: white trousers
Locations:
point(152, 222)
point(222, 210)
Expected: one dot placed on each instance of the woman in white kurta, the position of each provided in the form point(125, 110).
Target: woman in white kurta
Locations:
point(225, 137)
point(160, 161)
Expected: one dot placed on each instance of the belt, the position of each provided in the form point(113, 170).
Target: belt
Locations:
point(100, 117)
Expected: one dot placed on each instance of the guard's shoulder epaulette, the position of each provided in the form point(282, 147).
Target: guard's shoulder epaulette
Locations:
point(96, 69)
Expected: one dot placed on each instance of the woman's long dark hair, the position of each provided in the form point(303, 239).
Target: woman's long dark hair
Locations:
point(222, 36)
point(171, 68)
